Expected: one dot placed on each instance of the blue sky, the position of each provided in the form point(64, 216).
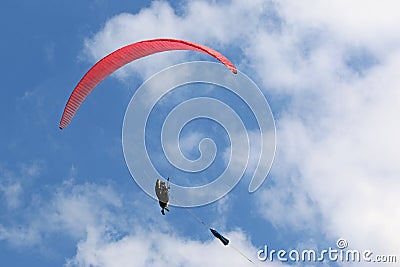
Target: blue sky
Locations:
point(328, 70)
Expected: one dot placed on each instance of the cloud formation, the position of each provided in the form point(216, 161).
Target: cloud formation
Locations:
point(334, 68)
point(331, 72)
point(112, 231)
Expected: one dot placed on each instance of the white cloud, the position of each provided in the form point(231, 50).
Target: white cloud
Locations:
point(215, 24)
point(19, 235)
point(76, 207)
point(68, 211)
point(249, 160)
point(12, 182)
point(336, 167)
point(32, 169)
point(11, 192)
point(112, 231)
point(337, 137)
point(359, 22)
point(190, 141)
point(155, 248)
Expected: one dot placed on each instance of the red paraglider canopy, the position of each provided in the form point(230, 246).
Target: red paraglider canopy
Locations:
point(123, 56)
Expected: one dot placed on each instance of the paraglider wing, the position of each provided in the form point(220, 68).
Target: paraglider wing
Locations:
point(223, 239)
point(123, 56)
